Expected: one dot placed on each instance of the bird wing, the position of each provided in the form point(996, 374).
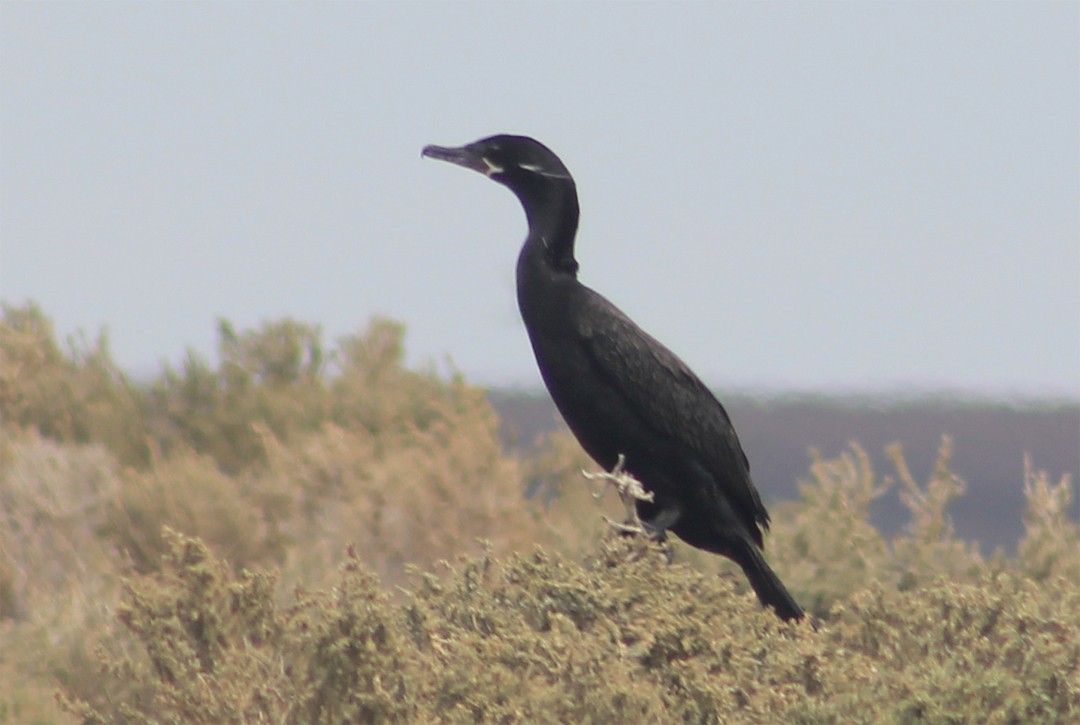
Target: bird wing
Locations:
point(666, 393)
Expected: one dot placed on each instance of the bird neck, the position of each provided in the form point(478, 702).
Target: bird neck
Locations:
point(552, 214)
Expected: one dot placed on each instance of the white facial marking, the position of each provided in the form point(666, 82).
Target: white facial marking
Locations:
point(491, 168)
point(538, 169)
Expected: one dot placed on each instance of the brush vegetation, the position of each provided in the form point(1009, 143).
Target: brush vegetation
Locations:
point(313, 533)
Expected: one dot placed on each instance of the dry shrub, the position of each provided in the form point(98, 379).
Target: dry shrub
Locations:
point(190, 493)
point(409, 495)
point(347, 664)
point(26, 698)
point(627, 638)
point(58, 577)
point(929, 547)
point(825, 547)
point(572, 508)
point(376, 393)
point(76, 395)
point(206, 631)
point(439, 489)
point(541, 638)
point(1051, 544)
point(53, 501)
point(273, 377)
point(340, 480)
point(998, 649)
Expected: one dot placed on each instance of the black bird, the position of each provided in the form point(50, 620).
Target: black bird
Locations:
point(620, 390)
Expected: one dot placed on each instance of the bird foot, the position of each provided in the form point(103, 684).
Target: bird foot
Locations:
point(630, 491)
point(629, 488)
point(630, 527)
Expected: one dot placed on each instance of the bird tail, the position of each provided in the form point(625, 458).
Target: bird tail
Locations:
point(768, 587)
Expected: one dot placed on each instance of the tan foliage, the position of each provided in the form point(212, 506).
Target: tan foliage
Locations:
point(1051, 544)
point(301, 484)
point(628, 638)
point(825, 547)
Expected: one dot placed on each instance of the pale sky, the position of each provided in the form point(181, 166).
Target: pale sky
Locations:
point(821, 196)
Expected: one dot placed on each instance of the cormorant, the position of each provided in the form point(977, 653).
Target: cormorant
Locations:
point(620, 391)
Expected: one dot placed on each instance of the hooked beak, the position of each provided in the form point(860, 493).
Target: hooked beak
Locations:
point(463, 156)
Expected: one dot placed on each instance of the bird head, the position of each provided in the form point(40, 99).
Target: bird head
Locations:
point(541, 182)
point(518, 162)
